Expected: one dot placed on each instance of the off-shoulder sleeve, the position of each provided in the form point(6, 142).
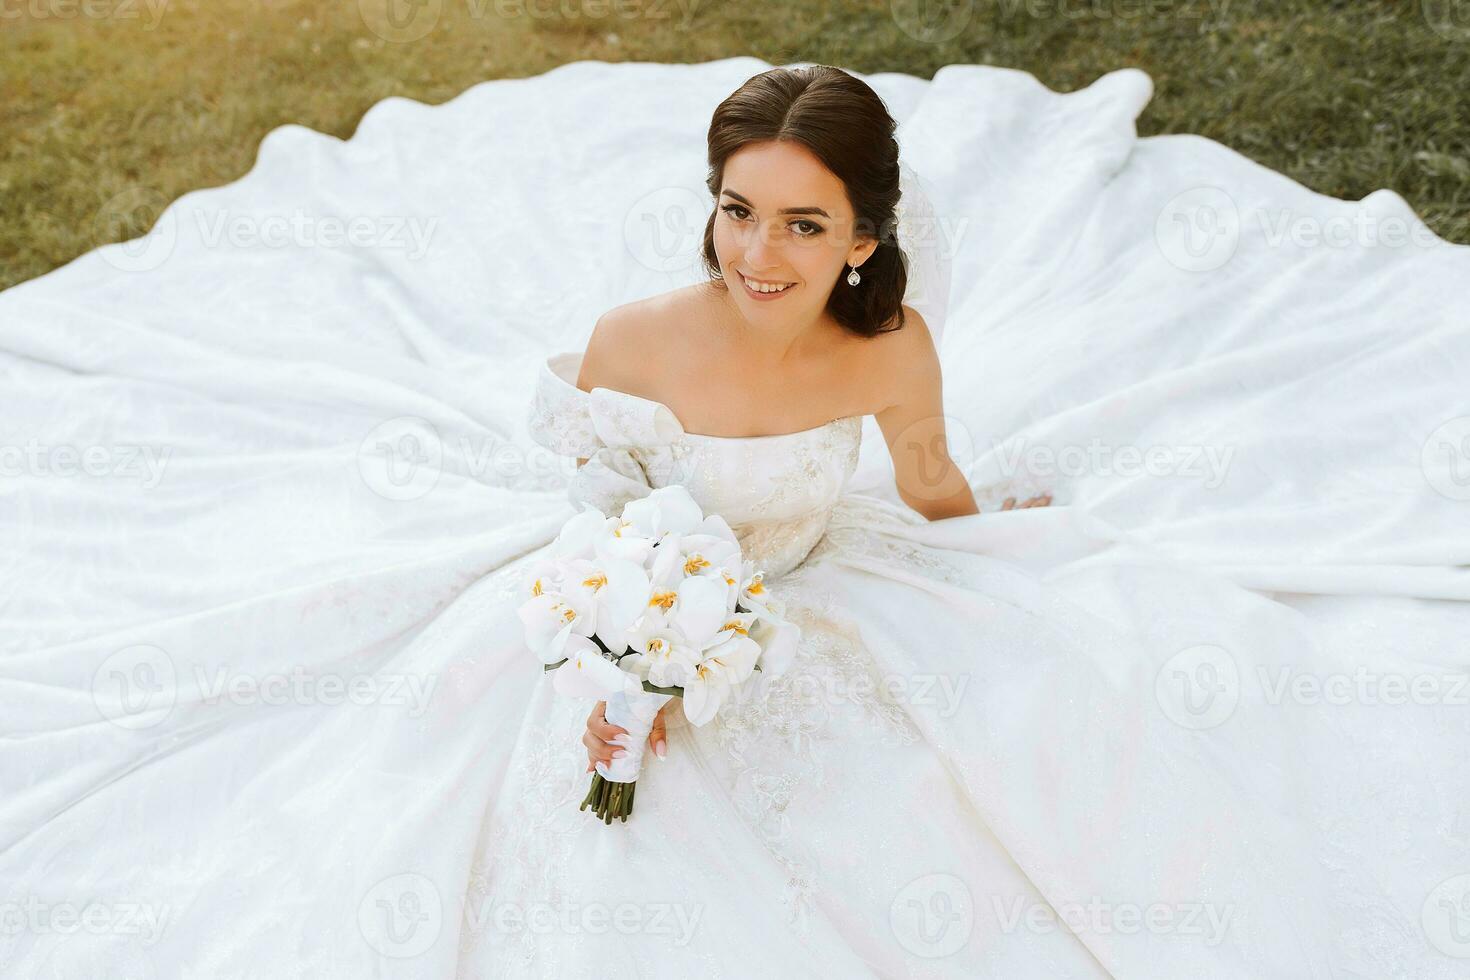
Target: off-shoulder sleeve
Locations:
point(604, 427)
point(560, 414)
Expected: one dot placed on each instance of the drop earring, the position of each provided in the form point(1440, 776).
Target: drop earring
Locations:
point(853, 278)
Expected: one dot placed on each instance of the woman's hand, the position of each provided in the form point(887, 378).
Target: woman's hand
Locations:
point(600, 734)
point(1038, 501)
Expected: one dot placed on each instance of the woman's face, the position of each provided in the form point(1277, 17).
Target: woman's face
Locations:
point(783, 218)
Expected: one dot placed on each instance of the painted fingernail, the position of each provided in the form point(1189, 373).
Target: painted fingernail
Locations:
point(619, 754)
point(660, 749)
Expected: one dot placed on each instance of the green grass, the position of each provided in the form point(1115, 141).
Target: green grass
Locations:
point(103, 97)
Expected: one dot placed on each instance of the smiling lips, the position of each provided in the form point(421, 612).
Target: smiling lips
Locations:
point(765, 288)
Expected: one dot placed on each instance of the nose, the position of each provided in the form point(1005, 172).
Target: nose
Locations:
point(760, 252)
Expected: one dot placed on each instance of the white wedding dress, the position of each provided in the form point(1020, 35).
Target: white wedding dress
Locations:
point(267, 503)
point(824, 825)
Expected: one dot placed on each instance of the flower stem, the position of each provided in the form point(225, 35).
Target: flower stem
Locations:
point(609, 799)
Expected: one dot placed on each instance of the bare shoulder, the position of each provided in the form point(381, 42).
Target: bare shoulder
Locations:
point(630, 342)
point(902, 364)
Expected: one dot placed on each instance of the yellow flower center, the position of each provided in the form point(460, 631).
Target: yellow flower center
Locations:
point(694, 563)
point(596, 581)
point(664, 600)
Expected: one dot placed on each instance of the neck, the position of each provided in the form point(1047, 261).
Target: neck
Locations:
point(775, 343)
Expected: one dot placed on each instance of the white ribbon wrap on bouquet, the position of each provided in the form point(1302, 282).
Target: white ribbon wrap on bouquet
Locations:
point(634, 712)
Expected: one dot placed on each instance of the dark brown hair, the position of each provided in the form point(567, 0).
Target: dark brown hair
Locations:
point(848, 128)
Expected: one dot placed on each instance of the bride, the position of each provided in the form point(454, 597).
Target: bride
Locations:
point(750, 391)
point(267, 705)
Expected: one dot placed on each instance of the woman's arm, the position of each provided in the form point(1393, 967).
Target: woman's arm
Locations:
point(928, 480)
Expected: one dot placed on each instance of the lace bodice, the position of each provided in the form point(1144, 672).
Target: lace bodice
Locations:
point(776, 492)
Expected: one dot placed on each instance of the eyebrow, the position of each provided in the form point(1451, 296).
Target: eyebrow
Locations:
point(743, 200)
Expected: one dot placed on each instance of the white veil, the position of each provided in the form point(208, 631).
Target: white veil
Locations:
point(926, 251)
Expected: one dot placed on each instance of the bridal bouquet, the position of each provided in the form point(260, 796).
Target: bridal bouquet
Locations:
point(654, 604)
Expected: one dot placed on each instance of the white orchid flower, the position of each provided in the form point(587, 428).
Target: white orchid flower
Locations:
point(778, 641)
point(613, 591)
point(589, 674)
point(620, 538)
point(736, 656)
point(681, 555)
point(667, 568)
point(544, 575)
point(698, 611)
point(579, 535)
point(717, 526)
point(725, 666)
point(708, 554)
point(666, 510)
point(663, 657)
point(735, 624)
point(547, 619)
point(753, 594)
point(730, 575)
